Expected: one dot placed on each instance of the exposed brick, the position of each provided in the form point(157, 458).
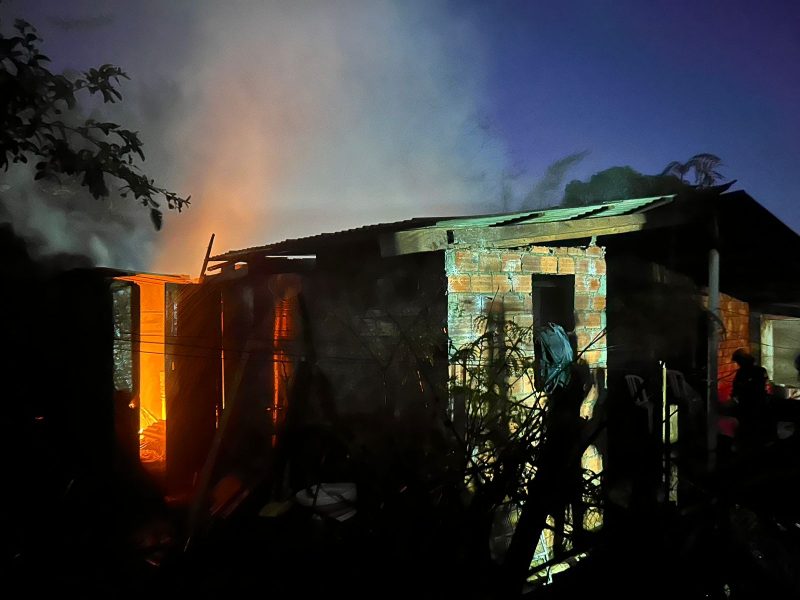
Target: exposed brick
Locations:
point(531, 263)
point(598, 267)
point(585, 336)
point(539, 250)
point(575, 251)
point(587, 283)
point(481, 284)
point(523, 320)
point(501, 282)
point(466, 261)
point(593, 357)
point(582, 265)
point(595, 251)
point(489, 262)
point(736, 318)
point(598, 302)
point(494, 304)
point(566, 265)
point(583, 339)
point(511, 262)
point(511, 313)
point(466, 303)
point(460, 326)
point(458, 283)
point(561, 251)
point(583, 301)
point(540, 264)
point(522, 283)
point(549, 265)
point(516, 303)
point(589, 319)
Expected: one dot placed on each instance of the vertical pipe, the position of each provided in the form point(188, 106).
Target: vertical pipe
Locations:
point(713, 361)
point(665, 433)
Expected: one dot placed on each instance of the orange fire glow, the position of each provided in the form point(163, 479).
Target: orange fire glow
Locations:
point(150, 398)
point(281, 361)
point(231, 180)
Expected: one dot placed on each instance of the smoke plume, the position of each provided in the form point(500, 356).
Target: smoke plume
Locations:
point(310, 117)
point(281, 119)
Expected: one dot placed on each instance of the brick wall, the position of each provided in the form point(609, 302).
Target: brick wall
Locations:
point(735, 316)
point(478, 278)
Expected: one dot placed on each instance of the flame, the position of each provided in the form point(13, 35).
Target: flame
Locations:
point(150, 390)
point(281, 362)
point(152, 396)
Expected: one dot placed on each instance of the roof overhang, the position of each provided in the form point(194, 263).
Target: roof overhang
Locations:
point(431, 234)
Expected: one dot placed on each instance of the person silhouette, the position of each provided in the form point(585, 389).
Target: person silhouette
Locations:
point(750, 399)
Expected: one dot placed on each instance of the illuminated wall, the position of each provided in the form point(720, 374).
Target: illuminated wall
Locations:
point(152, 403)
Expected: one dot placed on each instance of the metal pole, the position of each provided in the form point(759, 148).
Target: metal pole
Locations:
point(665, 433)
point(713, 360)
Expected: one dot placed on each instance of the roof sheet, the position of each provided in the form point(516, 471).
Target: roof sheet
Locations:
point(310, 245)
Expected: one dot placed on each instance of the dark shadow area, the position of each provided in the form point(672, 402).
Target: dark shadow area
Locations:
point(77, 514)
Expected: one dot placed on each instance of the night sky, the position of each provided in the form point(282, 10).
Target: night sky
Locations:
point(291, 118)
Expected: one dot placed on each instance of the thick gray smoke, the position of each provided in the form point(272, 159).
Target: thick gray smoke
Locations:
point(281, 119)
point(65, 219)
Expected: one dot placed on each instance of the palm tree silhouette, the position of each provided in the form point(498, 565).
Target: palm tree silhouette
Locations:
point(705, 167)
point(676, 169)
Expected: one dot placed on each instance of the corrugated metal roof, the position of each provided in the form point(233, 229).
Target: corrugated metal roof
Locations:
point(307, 245)
point(610, 209)
point(310, 245)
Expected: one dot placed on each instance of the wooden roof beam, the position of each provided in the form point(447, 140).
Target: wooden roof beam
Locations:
point(526, 234)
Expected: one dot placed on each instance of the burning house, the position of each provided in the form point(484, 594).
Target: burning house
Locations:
point(167, 386)
point(277, 350)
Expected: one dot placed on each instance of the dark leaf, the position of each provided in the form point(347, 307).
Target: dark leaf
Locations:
point(157, 218)
point(34, 98)
point(106, 127)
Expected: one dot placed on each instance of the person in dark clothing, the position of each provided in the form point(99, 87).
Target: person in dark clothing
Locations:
point(750, 398)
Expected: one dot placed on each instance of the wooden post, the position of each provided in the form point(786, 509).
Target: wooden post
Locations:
point(197, 514)
point(208, 254)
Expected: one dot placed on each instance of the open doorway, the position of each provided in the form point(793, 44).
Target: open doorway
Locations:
point(780, 345)
point(554, 301)
point(167, 374)
point(139, 364)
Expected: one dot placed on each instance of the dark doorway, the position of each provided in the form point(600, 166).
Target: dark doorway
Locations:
point(554, 300)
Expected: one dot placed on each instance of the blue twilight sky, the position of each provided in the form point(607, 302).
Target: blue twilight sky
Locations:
point(290, 118)
point(643, 83)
